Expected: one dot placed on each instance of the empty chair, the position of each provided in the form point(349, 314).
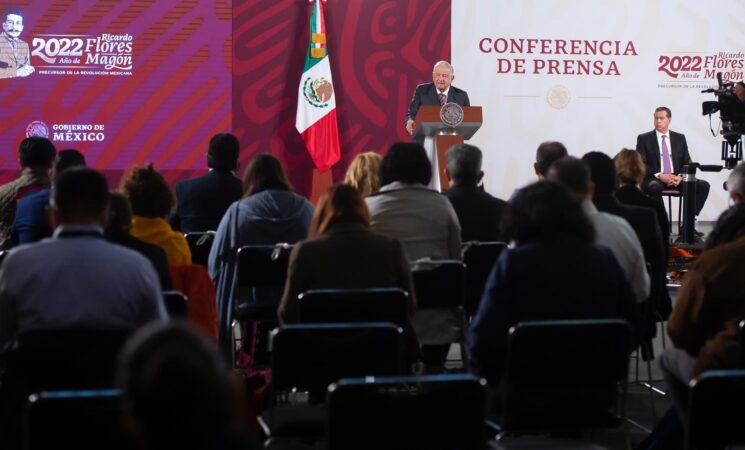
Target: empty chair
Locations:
point(200, 244)
point(261, 271)
point(479, 258)
point(437, 412)
point(714, 417)
point(177, 304)
point(563, 376)
point(80, 419)
point(310, 357)
point(354, 305)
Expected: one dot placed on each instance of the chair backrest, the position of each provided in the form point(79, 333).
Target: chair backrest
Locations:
point(439, 283)
point(310, 357)
point(564, 375)
point(354, 305)
point(261, 273)
point(200, 244)
point(479, 258)
point(432, 412)
point(715, 419)
point(177, 304)
point(88, 419)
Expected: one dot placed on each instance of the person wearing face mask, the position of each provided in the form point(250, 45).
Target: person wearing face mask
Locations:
point(14, 53)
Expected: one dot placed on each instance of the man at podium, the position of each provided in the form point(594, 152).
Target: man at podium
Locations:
point(438, 92)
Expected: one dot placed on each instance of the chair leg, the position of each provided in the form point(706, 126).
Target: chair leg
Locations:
point(235, 334)
point(669, 214)
point(651, 390)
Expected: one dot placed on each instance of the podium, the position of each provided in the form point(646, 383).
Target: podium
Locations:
point(438, 137)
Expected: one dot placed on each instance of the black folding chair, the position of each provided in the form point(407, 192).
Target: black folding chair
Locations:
point(715, 418)
point(307, 358)
point(439, 412)
point(261, 271)
point(55, 359)
point(354, 305)
point(81, 419)
point(177, 304)
point(200, 244)
point(564, 376)
point(439, 283)
point(479, 258)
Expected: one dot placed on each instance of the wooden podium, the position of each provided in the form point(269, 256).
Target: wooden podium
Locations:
point(439, 137)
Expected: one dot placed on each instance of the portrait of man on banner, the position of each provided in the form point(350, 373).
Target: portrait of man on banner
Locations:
point(14, 53)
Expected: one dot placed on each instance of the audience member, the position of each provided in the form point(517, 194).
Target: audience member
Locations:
point(342, 252)
point(703, 324)
point(545, 155)
point(478, 212)
point(117, 231)
point(554, 272)
point(630, 172)
point(610, 231)
point(151, 199)
point(426, 223)
point(268, 213)
point(77, 278)
point(31, 223)
point(36, 155)
point(177, 392)
point(201, 202)
point(644, 224)
point(364, 173)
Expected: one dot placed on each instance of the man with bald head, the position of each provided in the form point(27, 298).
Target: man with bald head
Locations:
point(438, 92)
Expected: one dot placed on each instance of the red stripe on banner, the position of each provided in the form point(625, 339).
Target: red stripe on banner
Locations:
point(322, 141)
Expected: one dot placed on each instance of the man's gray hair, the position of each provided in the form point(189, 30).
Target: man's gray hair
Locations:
point(446, 65)
point(464, 163)
point(736, 180)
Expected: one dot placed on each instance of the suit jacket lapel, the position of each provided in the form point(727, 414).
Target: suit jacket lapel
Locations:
point(433, 95)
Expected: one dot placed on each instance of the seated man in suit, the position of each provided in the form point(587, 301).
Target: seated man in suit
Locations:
point(665, 153)
point(438, 92)
point(201, 202)
point(478, 212)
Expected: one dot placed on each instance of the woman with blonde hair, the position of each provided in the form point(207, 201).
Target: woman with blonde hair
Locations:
point(630, 171)
point(364, 173)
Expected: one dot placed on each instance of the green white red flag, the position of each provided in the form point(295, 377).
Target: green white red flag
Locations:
point(316, 103)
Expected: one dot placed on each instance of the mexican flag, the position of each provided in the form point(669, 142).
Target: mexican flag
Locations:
point(316, 102)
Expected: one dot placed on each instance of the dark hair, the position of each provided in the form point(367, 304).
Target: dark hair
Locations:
point(80, 192)
point(729, 226)
point(406, 162)
point(264, 172)
point(464, 163)
point(120, 212)
point(547, 153)
point(176, 387)
point(36, 152)
point(602, 171)
point(545, 211)
point(341, 203)
point(66, 159)
point(14, 11)
point(630, 168)
point(665, 109)
point(572, 173)
point(222, 153)
point(147, 191)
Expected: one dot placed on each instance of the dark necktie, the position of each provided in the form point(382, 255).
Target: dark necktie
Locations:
point(442, 99)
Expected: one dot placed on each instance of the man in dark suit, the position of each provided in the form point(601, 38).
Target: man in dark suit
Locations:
point(645, 225)
point(665, 153)
point(201, 202)
point(438, 92)
point(479, 213)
